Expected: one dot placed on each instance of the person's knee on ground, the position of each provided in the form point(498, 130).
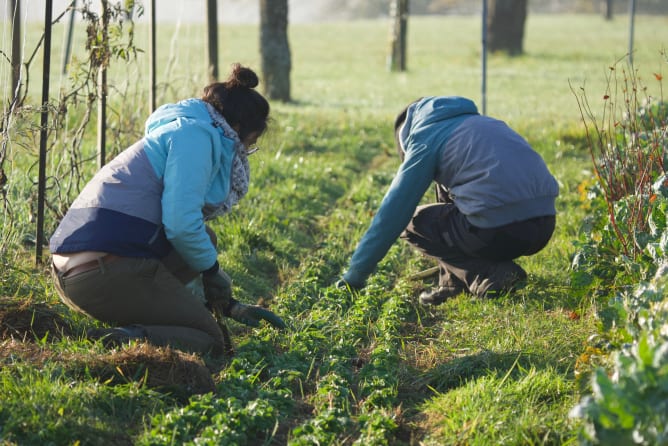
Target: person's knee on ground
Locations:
point(114, 337)
point(117, 336)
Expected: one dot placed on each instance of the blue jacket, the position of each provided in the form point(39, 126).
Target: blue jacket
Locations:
point(150, 197)
point(493, 175)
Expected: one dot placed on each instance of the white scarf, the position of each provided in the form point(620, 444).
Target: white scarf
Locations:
point(240, 169)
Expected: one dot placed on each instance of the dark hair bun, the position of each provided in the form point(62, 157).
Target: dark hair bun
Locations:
point(241, 77)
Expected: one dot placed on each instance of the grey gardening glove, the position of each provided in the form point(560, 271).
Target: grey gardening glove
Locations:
point(253, 314)
point(217, 289)
point(343, 285)
point(351, 281)
point(218, 293)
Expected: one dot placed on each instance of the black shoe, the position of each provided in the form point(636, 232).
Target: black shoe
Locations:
point(116, 336)
point(501, 278)
point(439, 295)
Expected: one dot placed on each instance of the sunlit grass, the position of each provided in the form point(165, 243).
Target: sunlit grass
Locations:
point(375, 366)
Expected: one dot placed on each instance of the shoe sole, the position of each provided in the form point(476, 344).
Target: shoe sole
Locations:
point(431, 300)
point(494, 294)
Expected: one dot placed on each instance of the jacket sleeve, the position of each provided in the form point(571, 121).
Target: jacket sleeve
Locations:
point(189, 168)
point(398, 206)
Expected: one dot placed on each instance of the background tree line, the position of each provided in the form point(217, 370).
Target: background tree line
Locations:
point(379, 8)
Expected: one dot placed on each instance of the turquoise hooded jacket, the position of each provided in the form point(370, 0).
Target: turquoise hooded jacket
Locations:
point(149, 199)
point(492, 174)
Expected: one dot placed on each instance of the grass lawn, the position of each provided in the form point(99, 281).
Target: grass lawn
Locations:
point(371, 368)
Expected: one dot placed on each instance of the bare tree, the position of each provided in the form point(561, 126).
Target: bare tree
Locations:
point(505, 26)
point(275, 49)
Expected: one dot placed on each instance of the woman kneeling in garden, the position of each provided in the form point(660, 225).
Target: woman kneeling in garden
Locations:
point(136, 234)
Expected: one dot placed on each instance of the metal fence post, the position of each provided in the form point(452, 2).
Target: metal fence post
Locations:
point(68, 42)
point(632, 14)
point(102, 89)
point(15, 20)
point(152, 56)
point(484, 57)
point(212, 24)
point(43, 134)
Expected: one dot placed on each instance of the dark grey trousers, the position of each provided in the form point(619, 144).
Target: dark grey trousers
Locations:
point(465, 252)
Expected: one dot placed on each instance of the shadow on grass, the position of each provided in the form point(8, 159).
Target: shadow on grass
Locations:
point(458, 371)
point(86, 433)
point(439, 366)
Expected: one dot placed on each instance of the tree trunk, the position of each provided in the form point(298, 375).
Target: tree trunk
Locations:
point(505, 26)
point(608, 9)
point(275, 49)
point(399, 17)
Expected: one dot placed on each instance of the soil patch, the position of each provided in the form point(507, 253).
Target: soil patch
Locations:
point(31, 321)
point(162, 368)
point(22, 323)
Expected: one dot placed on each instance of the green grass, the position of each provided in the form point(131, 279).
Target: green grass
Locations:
point(372, 368)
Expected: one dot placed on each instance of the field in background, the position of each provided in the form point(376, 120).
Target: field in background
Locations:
point(375, 368)
point(343, 64)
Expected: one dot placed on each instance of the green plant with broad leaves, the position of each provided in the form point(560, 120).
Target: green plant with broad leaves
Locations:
point(629, 402)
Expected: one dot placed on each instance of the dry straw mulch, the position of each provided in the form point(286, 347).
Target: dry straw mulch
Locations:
point(24, 324)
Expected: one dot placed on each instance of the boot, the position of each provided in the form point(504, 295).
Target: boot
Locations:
point(449, 286)
point(501, 278)
point(440, 294)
